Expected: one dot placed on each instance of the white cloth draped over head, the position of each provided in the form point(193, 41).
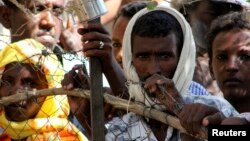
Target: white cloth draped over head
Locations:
point(185, 68)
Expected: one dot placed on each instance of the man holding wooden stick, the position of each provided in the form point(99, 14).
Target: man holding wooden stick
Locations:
point(159, 58)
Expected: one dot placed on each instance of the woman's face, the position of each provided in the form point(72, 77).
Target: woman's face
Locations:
point(20, 77)
point(230, 63)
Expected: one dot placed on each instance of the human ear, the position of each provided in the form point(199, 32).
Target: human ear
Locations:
point(5, 17)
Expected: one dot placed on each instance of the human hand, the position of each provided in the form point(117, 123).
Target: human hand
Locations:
point(70, 39)
point(97, 43)
point(80, 107)
point(194, 117)
point(234, 121)
point(76, 78)
point(186, 137)
point(165, 91)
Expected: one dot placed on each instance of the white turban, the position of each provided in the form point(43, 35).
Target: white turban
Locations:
point(185, 68)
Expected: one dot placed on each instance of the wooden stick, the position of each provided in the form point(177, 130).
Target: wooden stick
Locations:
point(116, 102)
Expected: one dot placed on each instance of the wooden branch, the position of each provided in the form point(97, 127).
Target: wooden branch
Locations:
point(116, 102)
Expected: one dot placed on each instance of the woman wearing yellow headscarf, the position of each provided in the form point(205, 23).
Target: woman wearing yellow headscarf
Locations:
point(27, 64)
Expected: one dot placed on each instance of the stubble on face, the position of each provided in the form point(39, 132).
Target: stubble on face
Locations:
point(43, 27)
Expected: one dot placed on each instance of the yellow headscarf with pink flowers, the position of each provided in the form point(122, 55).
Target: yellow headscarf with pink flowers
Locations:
point(51, 122)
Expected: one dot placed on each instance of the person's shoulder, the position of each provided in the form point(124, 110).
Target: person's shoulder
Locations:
point(197, 89)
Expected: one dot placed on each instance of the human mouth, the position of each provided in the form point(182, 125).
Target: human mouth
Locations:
point(232, 82)
point(46, 39)
point(21, 104)
point(45, 36)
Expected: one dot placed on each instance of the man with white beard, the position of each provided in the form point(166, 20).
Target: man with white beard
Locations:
point(200, 14)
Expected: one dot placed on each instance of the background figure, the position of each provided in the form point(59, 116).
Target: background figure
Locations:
point(43, 26)
point(228, 48)
point(113, 7)
point(200, 14)
point(119, 25)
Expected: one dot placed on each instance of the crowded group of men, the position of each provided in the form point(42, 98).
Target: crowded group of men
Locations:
point(187, 58)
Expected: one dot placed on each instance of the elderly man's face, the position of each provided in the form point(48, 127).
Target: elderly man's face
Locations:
point(202, 16)
point(45, 26)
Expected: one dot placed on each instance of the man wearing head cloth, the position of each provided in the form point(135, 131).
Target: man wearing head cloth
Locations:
point(160, 50)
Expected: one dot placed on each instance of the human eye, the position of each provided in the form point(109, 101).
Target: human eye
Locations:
point(165, 55)
point(142, 56)
point(221, 56)
point(57, 11)
point(29, 82)
point(116, 44)
point(37, 9)
point(245, 57)
point(7, 81)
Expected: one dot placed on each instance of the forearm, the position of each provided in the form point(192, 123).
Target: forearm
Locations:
point(116, 79)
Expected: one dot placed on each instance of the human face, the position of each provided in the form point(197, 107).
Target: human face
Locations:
point(22, 77)
point(117, 37)
point(231, 63)
point(155, 56)
point(201, 18)
point(45, 26)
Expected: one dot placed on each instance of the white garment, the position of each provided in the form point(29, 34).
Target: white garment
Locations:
point(134, 128)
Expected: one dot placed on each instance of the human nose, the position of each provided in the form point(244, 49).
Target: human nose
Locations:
point(119, 56)
point(17, 85)
point(48, 19)
point(232, 64)
point(154, 67)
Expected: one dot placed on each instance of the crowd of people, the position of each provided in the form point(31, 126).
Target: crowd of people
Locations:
point(186, 58)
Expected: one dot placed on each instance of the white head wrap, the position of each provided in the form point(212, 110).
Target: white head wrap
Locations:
point(185, 68)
